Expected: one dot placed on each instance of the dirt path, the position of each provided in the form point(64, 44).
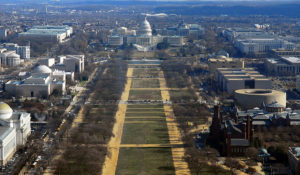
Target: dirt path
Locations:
point(180, 165)
point(111, 160)
point(79, 118)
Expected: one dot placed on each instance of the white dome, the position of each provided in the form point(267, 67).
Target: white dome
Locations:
point(13, 55)
point(42, 69)
point(222, 56)
point(123, 28)
point(145, 28)
point(5, 111)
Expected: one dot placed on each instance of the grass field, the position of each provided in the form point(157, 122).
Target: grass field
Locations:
point(145, 83)
point(145, 161)
point(145, 125)
point(144, 95)
point(130, 110)
point(211, 170)
point(181, 95)
point(141, 106)
point(155, 132)
point(146, 72)
point(148, 114)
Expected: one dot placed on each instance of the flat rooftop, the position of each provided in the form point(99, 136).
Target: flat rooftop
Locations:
point(17, 82)
point(273, 60)
point(240, 74)
point(239, 29)
point(38, 76)
point(291, 59)
point(46, 30)
point(42, 32)
point(48, 27)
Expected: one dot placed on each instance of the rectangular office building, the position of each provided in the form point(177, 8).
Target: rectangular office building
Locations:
point(231, 79)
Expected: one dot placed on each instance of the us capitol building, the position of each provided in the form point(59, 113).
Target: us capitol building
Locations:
point(142, 40)
point(14, 130)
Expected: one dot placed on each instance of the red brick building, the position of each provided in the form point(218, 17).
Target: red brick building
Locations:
point(233, 135)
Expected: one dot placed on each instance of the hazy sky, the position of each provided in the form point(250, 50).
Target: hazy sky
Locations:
point(43, 1)
point(143, 0)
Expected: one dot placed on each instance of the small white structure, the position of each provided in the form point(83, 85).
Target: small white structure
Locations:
point(14, 131)
point(10, 58)
point(47, 61)
point(115, 40)
point(123, 31)
point(175, 40)
point(13, 60)
point(71, 63)
point(60, 59)
point(67, 63)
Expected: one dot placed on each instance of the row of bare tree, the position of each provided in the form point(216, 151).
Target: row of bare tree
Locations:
point(85, 149)
point(188, 110)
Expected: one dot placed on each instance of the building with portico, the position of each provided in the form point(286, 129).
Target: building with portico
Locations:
point(14, 130)
point(41, 83)
point(283, 66)
point(142, 39)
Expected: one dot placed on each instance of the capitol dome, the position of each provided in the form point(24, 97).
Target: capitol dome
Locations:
point(42, 69)
point(5, 111)
point(145, 28)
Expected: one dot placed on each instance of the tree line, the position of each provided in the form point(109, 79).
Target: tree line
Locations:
point(85, 151)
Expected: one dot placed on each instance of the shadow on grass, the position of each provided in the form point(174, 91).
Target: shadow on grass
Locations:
point(163, 150)
point(166, 168)
point(161, 130)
